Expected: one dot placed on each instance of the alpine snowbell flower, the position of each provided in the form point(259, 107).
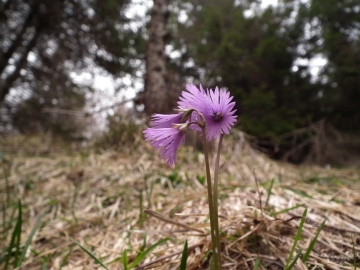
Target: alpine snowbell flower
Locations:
point(195, 106)
point(219, 114)
point(167, 140)
point(193, 98)
point(212, 113)
point(165, 120)
point(214, 105)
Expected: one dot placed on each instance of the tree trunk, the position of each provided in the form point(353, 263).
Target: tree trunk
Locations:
point(155, 92)
point(8, 82)
point(5, 57)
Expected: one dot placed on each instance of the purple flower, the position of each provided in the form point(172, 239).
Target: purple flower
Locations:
point(219, 114)
point(167, 140)
point(167, 131)
point(165, 120)
point(214, 105)
point(193, 99)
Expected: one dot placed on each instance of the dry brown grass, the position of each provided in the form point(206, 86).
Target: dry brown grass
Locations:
point(100, 200)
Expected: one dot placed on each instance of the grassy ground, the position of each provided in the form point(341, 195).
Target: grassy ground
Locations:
point(112, 201)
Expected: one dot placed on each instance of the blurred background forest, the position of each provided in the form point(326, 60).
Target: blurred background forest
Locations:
point(75, 70)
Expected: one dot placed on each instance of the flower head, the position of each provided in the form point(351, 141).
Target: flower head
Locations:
point(167, 131)
point(165, 120)
point(194, 98)
point(219, 114)
point(167, 140)
point(214, 105)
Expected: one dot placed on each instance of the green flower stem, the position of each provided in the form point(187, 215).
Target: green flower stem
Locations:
point(213, 212)
point(216, 173)
point(215, 191)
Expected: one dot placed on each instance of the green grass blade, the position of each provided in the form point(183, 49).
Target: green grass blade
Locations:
point(28, 241)
point(269, 191)
point(65, 259)
point(8, 196)
point(141, 214)
point(115, 260)
point(15, 240)
point(286, 210)
point(297, 238)
point(4, 217)
point(184, 256)
point(125, 259)
point(89, 253)
point(45, 264)
point(11, 218)
point(354, 251)
point(142, 255)
point(18, 238)
point(257, 263)
point(143, 245)
point(211, 263)
point(295, 260)
point(312, 243)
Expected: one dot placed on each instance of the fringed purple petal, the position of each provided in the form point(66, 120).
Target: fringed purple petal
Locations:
point(166, 140)
point(221, 117)
point(216, 107)
point(165, 120)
